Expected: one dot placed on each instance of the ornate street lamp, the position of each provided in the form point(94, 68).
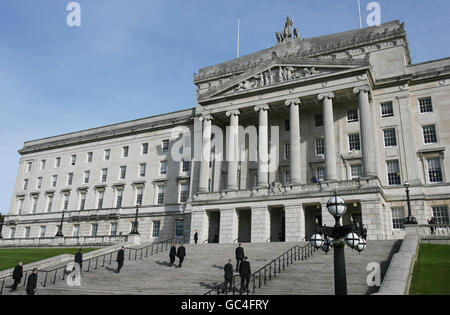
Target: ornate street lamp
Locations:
point(336, 237)
point(134, 230)
point(60, 233)
point(410, 219)
point(2, 218)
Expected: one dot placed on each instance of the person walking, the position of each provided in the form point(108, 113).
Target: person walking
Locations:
point(17, 276)
point(79, 258)
point(245, 272)
point(431, 222)
point(228, 269)
point(172, 254)
point(181, 253)
point(196, 237)
point(239, 256)
point(120, 259)
point(32, 282)
point(363, 232)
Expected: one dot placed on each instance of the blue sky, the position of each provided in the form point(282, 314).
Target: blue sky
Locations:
point(136, 58)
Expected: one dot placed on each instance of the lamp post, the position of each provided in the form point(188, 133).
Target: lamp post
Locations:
point(336, 237)
point(2, 218)
point(410, 219)
point(134, 230)
point(60, 233)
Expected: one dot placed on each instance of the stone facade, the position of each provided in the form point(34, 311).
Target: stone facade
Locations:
point(346, 113)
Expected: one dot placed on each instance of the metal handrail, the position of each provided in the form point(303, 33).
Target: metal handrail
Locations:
point(270, 270)
point(93, 263)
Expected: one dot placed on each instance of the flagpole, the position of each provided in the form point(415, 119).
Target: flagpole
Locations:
point(239, 27)
point(359, 12)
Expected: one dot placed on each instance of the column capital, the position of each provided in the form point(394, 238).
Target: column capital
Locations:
point(205, 117)
point(261, 107)
point(295, 101)
point(364, 88)
point(234, 112)
point(329, 95)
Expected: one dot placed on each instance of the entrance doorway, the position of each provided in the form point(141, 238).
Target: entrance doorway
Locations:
point(353, 214)
point(213, 226)
point(277, 225)
point(313, 215)
point(245, 225)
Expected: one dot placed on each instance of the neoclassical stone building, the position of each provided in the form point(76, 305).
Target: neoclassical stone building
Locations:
point(273, 136)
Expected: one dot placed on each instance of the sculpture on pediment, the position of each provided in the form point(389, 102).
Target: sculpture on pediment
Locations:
point(276, 188)
point(279, 37)
point(288, 28)
point(296, 33)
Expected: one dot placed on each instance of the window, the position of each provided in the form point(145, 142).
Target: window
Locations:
point(287, 150)
point(179, 228)
point(440, 213)
point(142, 168)
point(123, 172)
point(43, 164)
point(163, 168)
point(104, 174)
point(186, 166)
point(320, 173)
point(390, 139)
point(34, 204)
point(12, 233)
point(144, 148)
point(139, 196)
point(184, 192)
point(113, 228)
point(101, 195)
point(387, 109)
point(69, 179)
point(161, 191)
point(39, 183)
point(165, 145)
point(434, 170)
point(287, 125)
point(49, 203)
point(43, 229)
point(73, 159)
point(398, 218)
point(125, 151)
point(20, 205)
point(82, 200)
point(107, 154)
point(318, 119)
point(393, 170)
point(319, 147)
point(86, 176)
point(29, 166)
point(76, 230)
point(89, 157)
point(287, 178)
point(54, 180)
point(352, 115)
point(58, 162)
point(353, 142)
point(355, 171)
point(25, 184)
point(425, 105)
point(156, 228)
point(94, 229)
point(119, 198)
point(27, 232)
point(429, 134)
point(66, 202)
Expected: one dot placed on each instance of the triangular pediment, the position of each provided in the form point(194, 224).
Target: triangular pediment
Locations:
point(276, 73)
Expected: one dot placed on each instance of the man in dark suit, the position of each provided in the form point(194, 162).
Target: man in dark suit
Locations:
point(79, 259)
point(172, 254)
point(17, 276)
point(245, 272)
point(32, 282)
point(239, 256)
point(196, 237)
point(228, 268)
point(120, 259)
point(181, 253)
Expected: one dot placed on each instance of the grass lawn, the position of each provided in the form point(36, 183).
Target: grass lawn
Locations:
point(432, 271)
point(10, 257)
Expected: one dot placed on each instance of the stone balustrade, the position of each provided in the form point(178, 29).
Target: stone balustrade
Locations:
point(64, 241)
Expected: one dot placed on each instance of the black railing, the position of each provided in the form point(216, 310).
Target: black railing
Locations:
point(269, 271)
point(50, 276)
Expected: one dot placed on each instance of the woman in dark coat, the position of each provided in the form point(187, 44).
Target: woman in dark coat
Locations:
point(172, 254)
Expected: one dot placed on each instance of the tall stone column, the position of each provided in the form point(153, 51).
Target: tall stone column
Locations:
point(263, 145)
point(260, 229)
point(228, 225)
point(233, 150)
point(330, 140)
point(294, 223)
point(294, 120)
point(366, 130)
point(206, 153)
